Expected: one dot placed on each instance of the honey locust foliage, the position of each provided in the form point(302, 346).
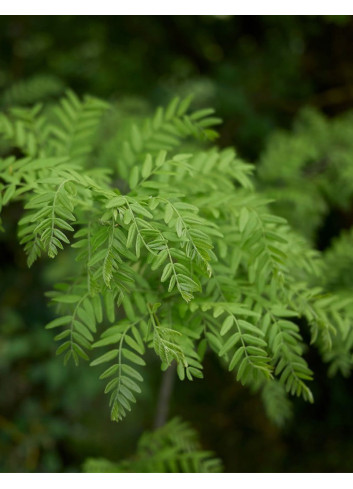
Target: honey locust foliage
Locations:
point(318, 172)
point(171, 250)
point(173, 448)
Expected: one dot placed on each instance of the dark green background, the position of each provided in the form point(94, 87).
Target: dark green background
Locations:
point(257, 72)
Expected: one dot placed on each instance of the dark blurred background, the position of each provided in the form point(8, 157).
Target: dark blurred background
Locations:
point(257, 72)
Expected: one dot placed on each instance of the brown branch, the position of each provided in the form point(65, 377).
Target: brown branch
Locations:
point(164, 396)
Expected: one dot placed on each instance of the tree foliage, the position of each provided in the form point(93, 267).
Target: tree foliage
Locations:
point(173, 448)
point(317, 174)
point(172, 250)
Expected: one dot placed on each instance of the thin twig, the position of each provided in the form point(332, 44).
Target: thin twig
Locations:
point(165, 393)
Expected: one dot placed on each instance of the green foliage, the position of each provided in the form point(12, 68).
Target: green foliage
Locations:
point(172, 251)
point(173, 448)
point(29, 91)
point(296, 61)
point(338, 261)
point(309, 170)
point(315, 179)
point(277, 405)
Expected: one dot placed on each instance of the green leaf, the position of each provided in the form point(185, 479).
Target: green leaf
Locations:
point(232, 341)
point(161, 158)
point(179, 227)
point(243, 218)
point(227, 324)
point(134, 177)
point(63, 347)
point(67, 299)
point(131, 235)
point(107, 357)
point(166, 272)
point(110, 306)
point(236, 358)
point(168, 213)
point(9, 192)
point(97, 306)
point(116, 202)
point(159, 259)
point(59, 322)
point(147, 166)
point(129, 355)
point(110, 340)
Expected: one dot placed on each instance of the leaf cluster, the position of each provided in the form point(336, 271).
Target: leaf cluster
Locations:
point(174, 448)
point(172, 252)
